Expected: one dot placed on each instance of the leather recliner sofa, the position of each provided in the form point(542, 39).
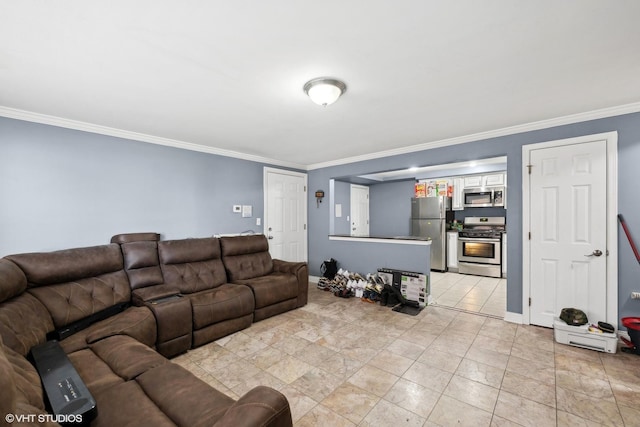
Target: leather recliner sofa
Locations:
point(55, 293)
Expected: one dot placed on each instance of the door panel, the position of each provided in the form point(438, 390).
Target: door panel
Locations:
point(285, 221)
point(359, 210)
point(568, 223)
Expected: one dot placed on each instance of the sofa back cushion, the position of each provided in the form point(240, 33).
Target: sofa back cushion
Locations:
point(76, 283)
point(26, 379)
point(19, 382)
point(142, 264)
point(8, 391)
point(246, 257)
point(13, 283)
point(192, 265)
point(24, 322)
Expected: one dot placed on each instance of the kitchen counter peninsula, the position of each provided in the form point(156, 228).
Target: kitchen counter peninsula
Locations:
point(402, 240)
point(365, 254)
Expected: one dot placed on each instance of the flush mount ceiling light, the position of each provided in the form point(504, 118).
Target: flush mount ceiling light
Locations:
point(324, 91)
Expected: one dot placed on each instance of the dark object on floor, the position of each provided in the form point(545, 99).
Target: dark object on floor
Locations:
point(574, 316)
point(388, 297)
point(407, 309)
point(633, 329)
point(405, 306)
point(344, 293)
point(329, 268)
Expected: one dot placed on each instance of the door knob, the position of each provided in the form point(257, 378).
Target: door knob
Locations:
point(597, 252)
point(270, 237)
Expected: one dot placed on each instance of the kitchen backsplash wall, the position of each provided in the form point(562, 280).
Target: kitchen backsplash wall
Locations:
point(461, 215)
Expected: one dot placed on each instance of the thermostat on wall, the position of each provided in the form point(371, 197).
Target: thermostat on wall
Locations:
point(237, 208)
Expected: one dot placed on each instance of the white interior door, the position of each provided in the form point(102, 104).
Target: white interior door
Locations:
point(359, 210)
point(568, 225)
point(285, 222)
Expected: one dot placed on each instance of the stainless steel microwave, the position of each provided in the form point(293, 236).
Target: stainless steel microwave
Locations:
point(483, 197)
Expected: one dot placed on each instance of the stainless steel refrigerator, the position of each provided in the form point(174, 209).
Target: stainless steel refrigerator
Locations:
point(429, 218)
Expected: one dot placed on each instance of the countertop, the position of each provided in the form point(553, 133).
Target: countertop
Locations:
point(406, 240)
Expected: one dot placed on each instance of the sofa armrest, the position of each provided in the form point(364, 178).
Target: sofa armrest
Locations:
point(301, 271)
point(260, 406)
point(141, 295)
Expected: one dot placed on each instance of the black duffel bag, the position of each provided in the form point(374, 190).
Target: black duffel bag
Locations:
point(329, 268)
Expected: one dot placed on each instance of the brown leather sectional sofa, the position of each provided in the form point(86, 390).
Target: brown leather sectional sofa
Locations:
point(119, 309)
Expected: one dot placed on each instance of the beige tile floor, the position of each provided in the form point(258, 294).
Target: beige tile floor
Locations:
point(344, 362)
point(477, 294)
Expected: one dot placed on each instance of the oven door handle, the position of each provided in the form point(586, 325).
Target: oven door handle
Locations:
point(479, 239)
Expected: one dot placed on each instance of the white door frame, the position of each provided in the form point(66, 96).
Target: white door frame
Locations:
point(267, 170)
point(611, 139)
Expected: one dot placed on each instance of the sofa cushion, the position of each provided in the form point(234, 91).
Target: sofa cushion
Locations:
point(76, 283)
point(142, 264)
point(96, 374)
point(222, 303)
point(246, 257)
point(26, 379)
point(126, 404)
point(8, 390)
point(192, 265)
point(24, 322)
point(127, 357)
point(272, 289)
point(48, 268)
point(173, 388)
point(136, 322)
point(14, 282)
point(20, 387)
point(73, 301)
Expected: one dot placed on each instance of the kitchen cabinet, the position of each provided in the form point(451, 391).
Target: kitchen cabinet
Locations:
point(452, 251)
point(489, 180)
point(504, 255)
point(493, 179)
point(457, 199)
point(473, 181)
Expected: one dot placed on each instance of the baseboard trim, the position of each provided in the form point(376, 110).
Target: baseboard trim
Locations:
point(513, 317)
point(314, 279)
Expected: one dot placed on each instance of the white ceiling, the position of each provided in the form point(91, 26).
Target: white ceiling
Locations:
point(226, 76)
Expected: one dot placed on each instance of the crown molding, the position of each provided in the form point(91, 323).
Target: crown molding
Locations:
point(511, 130)
point(14, 113)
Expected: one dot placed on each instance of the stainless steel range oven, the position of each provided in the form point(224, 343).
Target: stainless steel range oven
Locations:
point(480, 246)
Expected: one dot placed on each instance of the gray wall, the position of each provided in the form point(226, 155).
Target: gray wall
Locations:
point(628, 127)
point(390, 208)
point(62, 188)
point(366, 257)
point(343, 196)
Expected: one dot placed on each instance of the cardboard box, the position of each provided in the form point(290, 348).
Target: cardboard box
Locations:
point(415, 287)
